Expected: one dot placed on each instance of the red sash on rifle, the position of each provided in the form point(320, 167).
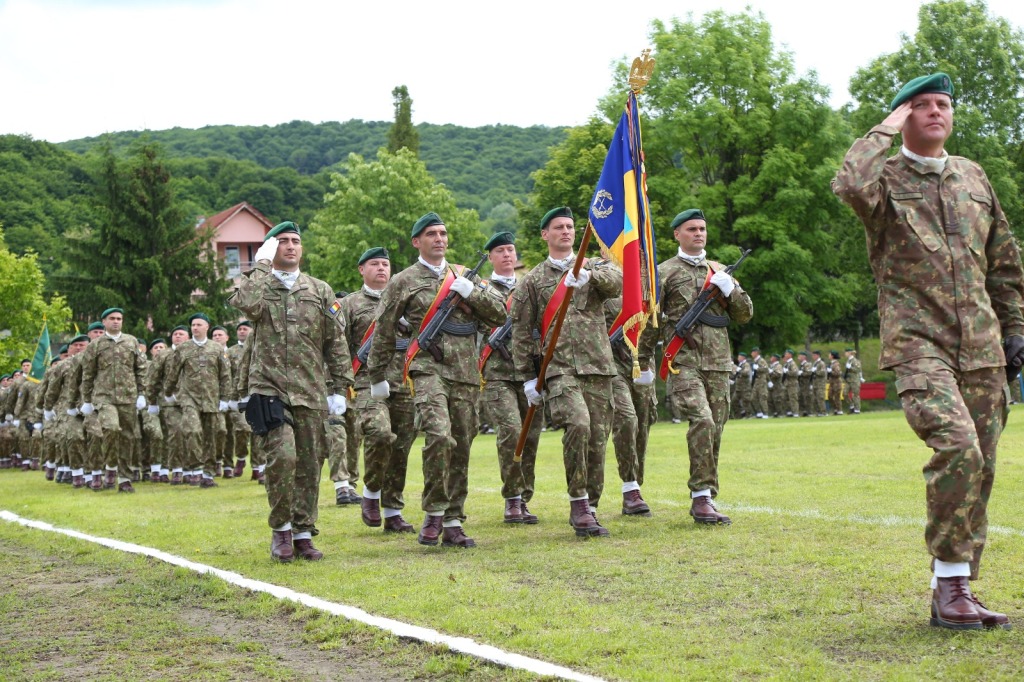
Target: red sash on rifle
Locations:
point(677, 342)
point(414, 344)
point(356, 363)
point(485, 355)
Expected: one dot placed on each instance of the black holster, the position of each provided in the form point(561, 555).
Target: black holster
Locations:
point(264, 413)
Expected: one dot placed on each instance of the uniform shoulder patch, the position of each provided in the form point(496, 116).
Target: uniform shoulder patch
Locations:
point(334, 309)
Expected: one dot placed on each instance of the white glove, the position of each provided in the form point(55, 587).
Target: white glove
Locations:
point(48, 415)
point(732, 381)
point(17, 423)
point(268, 250)
point(646, 378)
point(153, 409)
point(723, 280)
point(140, 402)
point(530, 388)
point(37, 426)
point(828, 371)
point(73, 412)
point(87, 409)
point(243, 403)
point(9, 417)
point(222, 406)
point(380, 390)
point(233, 405)
point(170, 399)
point(771, 384)
point(336, 404)
point(462, 286)
point(577, 282)
point(799, 372)
point(848, 364)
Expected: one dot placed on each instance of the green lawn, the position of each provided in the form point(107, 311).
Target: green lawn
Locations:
point(822, 575)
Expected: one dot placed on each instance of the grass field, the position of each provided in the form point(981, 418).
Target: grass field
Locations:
point(823, 574)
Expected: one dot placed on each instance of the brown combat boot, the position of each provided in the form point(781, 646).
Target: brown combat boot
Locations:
point(261, 478)
point(239, 468)
point(431, 530)
point(396, 524)
point(456, 537)
point(584, 522)
point(514, 511)
point(990, 619)
point(228, 472)
point(176, 478)
point(305, 550)
point(96, 484)
point(633, 504)
point(126, 487)
point(370, 512)
point(255, 476)
point(528, 518)
point(205, 482)
point(281, 546)
point(109, 479)
point(194, 479)
point(703, 510)
point(164, 479)
point(953, 605)
point(50, 472)
point(78, 481)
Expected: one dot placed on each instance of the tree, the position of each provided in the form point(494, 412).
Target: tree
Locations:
point(145, 254)
point(23, 307)
point(375, 203)
point(403, 135)
point(984, 57)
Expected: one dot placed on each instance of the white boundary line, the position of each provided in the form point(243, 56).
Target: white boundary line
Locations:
point(462, 645)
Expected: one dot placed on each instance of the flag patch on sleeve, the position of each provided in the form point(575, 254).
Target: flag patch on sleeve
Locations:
point(334, 309)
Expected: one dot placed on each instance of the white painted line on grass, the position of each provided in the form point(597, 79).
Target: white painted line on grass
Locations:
point(462, 645)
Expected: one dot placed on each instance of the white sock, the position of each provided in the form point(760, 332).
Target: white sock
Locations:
point(178, 471)
point(630, 485)
point(338, 485)
point(577, 499)
point(388, 513)
point(700, 493)
point(952, 569)
point(517, 497)
point(371, 494)
point(76, 472)
point(454, 523)
point(154, 469)
point(305, 535)
point(435, 513)
point(164, 472)
point(88, 478)
point(287, 526)
point(49, 465)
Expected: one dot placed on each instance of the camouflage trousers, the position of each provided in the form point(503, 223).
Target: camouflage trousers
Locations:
point(792, 401)
point(447, 412)
point(743, 396)
point(220, 442)
point(759, 398)
point(635, 409)
point(960, 415)
point(583, 405)
point(507, 406)
point(200, 431)
point(337, 440)
point(153, 440)
point(174, 442)
point(72, 440)
point(818, 397)
point(236, 443)
point(854, 388)
point(119, 426)
point(295, 455)
point(704, 400)
point(835, 395)
point(353, 441)
point(776, 399)
point(388, 432)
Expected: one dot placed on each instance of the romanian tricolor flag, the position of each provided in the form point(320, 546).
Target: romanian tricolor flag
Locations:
point(620, 216)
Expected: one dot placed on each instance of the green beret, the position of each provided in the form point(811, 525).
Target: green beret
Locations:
point(500, 239)
point(425, 222)
point(789, 350)
point(199, 316)
point(243, 323)
point(741, 355)
point(79, 339)
point(340, 293)
point(375, 252)
point(775, 355)
point(757, 348)
point(688, 214)
point(110, 311)
point(156, 341)
point(220, 328)
point(816, 352)
point(94, 326)
point(6, 376)
point(560, 212)
point(180, 327)
point(53, 360)
point(849, 350)
point(937, 82)
point(834, 353)
point(287, 226)
point(63, 349)
point(803, 353)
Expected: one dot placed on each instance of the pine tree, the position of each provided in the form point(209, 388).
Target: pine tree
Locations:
point(403, 133)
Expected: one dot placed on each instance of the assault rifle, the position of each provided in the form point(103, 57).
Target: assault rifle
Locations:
point(498, 340)
point(428, 337)
point(689, 320)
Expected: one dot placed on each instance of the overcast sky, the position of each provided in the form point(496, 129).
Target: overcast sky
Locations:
point(71, 69)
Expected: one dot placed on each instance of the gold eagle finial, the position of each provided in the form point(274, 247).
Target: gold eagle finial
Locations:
point(641, 71)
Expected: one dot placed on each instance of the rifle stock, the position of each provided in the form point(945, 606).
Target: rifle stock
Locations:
point(428, 336)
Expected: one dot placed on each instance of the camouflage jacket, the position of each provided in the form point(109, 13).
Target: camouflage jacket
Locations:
point(851, 371)
point(744, 375)
point(235, 353)
point(359, 309)
point(805, 374)
point(57, 396)
point(582, 346)
point(620, 352)
point(790, 370)
point(113, 372)
point(837, 373)
point(156, 372)
point(818, 368)
point(25, 406)
point(681, 283)
point(409, 294)
point(198, 376)
point(497, 367)
point(11, 397)
point(760, 366)
point(298, 340)
point(775, 373)
point(950, 282)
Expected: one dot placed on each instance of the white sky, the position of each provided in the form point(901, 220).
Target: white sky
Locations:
point(71, 69)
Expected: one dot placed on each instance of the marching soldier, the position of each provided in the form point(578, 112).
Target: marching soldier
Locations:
point(791, 383)
point(760, 405)
point(445, 388)
point(239, 432)
point(225, 458)
point(152, 431)
point(835, 383)
point(744, 385)
point(578, 382)
point(806, 381)
point(819, 378)
point(341, 436)
point(169, 412)
point(776, 388)
point(852, 377)
point(61, 402)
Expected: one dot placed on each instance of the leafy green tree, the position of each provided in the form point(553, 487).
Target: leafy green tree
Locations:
point(375, 203)
point(984, 56)
point(502, 218)
point(403, 134)
point(145, 255)
point(23, 307)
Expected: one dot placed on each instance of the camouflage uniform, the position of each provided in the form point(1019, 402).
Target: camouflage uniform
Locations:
point(67, 429)
point(579, 377)
point(744, 387)
point(759, 392)
point(702, 384)
point(791, 386)
point(239, 431)
point(819, 377)
point(950, 285)
point(25, 411)
point(445, 393)
point(113, 377)
point(503, 393)
point(199, 378)
point(170, 413)
point(806, 381)
point(777, 391)
point(297, 344)
point(835, 386)
point(851, 376)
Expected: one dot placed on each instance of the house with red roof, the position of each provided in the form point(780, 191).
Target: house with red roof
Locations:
point(237, 233)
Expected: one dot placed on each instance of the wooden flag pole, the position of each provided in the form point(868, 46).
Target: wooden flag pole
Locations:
point(550, 350)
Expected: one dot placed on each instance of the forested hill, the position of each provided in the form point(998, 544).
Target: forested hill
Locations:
point(482, 166)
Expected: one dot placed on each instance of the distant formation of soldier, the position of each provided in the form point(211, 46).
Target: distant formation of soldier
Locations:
point(784, 387)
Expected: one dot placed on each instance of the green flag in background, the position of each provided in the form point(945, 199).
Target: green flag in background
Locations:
point(41, 360)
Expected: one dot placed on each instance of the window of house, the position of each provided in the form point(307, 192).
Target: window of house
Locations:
point(232, 260)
